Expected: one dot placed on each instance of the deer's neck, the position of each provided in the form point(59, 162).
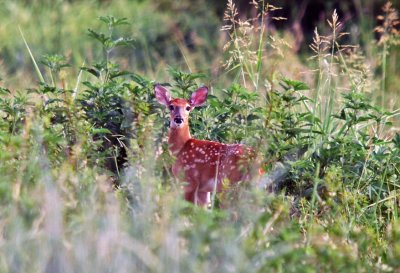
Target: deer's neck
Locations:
point(177, 138)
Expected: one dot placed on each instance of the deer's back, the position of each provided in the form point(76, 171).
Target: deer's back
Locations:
point(200, 162)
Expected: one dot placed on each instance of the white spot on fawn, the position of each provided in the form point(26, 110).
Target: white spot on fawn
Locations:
point(199, 160)
point(189, 166)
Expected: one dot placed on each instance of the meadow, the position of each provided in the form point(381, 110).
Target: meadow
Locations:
point(85, 171)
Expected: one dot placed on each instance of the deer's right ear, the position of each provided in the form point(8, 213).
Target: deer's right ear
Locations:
point(162, 94)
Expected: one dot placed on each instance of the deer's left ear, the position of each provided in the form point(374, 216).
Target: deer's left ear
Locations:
point(199, 96)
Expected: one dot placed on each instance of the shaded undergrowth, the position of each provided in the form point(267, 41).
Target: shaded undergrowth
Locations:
point(86, 185)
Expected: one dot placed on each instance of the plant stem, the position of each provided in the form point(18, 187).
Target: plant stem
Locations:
point(383, 87)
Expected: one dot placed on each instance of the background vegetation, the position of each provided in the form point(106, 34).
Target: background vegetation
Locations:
point(85, 181)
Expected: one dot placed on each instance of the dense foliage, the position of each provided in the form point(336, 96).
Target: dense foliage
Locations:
point(86, 184)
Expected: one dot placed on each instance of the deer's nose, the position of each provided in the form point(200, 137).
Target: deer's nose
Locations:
point(178, 120)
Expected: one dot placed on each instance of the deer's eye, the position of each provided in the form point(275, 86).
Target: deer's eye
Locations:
point(188, 108)
point(171, 107)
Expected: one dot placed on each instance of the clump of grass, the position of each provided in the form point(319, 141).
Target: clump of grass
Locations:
point(248, 41)
point(389, 36)
point(335, 205)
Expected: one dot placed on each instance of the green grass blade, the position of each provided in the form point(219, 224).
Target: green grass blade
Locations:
point(32, 58)
point(78, 81)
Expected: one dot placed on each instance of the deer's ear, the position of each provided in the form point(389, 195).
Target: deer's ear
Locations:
point(162, 94)
point(199, 96)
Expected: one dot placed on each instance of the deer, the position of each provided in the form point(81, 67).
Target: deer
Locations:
point(205, 166)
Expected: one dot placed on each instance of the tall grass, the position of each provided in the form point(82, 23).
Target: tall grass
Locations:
point(86, 185)
point(58, 27)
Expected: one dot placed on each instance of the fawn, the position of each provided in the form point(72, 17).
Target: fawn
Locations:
point(203, 164)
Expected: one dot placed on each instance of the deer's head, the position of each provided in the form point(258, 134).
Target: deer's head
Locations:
point(180, 108)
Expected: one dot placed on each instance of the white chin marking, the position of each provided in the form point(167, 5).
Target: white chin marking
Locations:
point(176, 125)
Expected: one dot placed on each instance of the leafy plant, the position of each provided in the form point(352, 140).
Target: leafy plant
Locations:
point(104, 101)
point(333, 164)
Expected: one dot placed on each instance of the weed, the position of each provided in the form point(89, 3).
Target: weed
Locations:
point(328, 159)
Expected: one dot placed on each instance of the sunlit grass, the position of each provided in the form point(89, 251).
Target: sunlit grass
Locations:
point(73, 201)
